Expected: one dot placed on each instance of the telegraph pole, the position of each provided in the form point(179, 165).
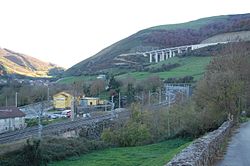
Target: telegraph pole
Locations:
point(112, 100)
point(16, 99)
point(149, 97)
point(48, 93)
point(40, 126)
point(6, 101)
point(119, 100)
point(168, 114)
point(159, 96)
point(142, 99)
point(73, 109)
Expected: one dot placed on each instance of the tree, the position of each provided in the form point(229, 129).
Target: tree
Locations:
point(130, 93)
point(152, 83)
point(97, 87)
point(226, 82)
point(114, 84)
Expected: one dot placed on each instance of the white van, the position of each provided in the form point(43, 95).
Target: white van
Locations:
point(66, 112)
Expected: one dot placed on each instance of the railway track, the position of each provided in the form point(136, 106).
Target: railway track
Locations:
point(52, 129)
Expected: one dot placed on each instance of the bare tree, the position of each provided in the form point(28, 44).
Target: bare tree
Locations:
point(97, 87)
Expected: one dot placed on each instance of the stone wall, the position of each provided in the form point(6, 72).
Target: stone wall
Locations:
point(203, 150)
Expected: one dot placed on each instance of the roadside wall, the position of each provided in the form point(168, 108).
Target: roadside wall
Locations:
point(203, 151)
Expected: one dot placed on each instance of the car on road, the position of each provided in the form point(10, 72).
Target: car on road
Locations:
point(87, 115)
point(67, 113)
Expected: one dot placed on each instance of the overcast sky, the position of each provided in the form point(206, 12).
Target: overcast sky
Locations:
point(66, 32)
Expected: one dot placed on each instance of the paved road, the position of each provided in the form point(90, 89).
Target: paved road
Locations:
point(238, 151)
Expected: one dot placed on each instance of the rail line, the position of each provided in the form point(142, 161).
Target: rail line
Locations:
point(56, 128)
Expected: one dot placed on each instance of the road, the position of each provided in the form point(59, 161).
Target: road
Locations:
point(238, 150)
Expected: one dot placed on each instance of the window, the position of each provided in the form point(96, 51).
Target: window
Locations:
point(91, 103)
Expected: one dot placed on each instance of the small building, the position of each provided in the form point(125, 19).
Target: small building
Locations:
point(11, 118)
point(90, 101)
point(101, 76)
point(62, 100)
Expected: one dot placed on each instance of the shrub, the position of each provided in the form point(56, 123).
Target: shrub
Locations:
point(49, 149)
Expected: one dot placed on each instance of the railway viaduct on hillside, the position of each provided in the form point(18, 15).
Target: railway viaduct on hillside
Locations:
point(166, 53)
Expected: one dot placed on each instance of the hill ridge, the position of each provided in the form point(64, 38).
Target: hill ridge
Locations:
point(158, 37)
point(12, 62)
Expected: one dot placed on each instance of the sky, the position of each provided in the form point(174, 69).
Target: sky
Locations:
point(65, 32)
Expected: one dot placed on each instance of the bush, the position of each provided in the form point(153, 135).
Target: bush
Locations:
point(49, 149)
point(30, 154)
point(132, 134)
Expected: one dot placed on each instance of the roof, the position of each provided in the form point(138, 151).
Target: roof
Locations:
point(62, 93)
point(90, 98)
point(10, 112)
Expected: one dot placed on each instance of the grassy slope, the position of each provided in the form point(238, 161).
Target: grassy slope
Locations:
point(72, 79)
point(158, 37)
point(191, 24)
point(149, 155)
point(232, 36)
point(190, 66)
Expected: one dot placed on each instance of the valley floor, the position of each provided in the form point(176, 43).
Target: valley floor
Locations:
point(149, 155)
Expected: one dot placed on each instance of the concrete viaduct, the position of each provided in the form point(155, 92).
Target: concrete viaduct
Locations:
point(166, 53)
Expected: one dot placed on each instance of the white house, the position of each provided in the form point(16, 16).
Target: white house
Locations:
point(11, 118)
point(101, 76)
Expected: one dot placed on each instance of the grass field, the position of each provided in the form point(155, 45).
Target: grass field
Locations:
point(72, 79)
point(190, 66)
point(149, 155)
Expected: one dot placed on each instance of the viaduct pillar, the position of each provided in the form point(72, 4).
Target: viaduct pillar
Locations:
point(162, 56)
point(150, 58)
point(156, 57)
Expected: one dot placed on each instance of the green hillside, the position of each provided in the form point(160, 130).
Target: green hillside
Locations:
point(192, 24)
point(163, 36)
point(189, 66)
point(72, 79)
point(232, 36)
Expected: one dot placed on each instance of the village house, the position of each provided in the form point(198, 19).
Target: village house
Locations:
point(11, 118)
point(62, 100)
point(90, 101)
point(101, 76)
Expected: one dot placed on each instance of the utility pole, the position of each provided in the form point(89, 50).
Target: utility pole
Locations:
point(6, 101)
point(48, 93)
point(112, 101)
point(16, 99)
point(149, 97)
point(105, 108)
point(159, 96)
point(169, 99)
point(168, 113)
point(119, 100)
point(142, 99)
point(40, 126)
point(73, 109)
